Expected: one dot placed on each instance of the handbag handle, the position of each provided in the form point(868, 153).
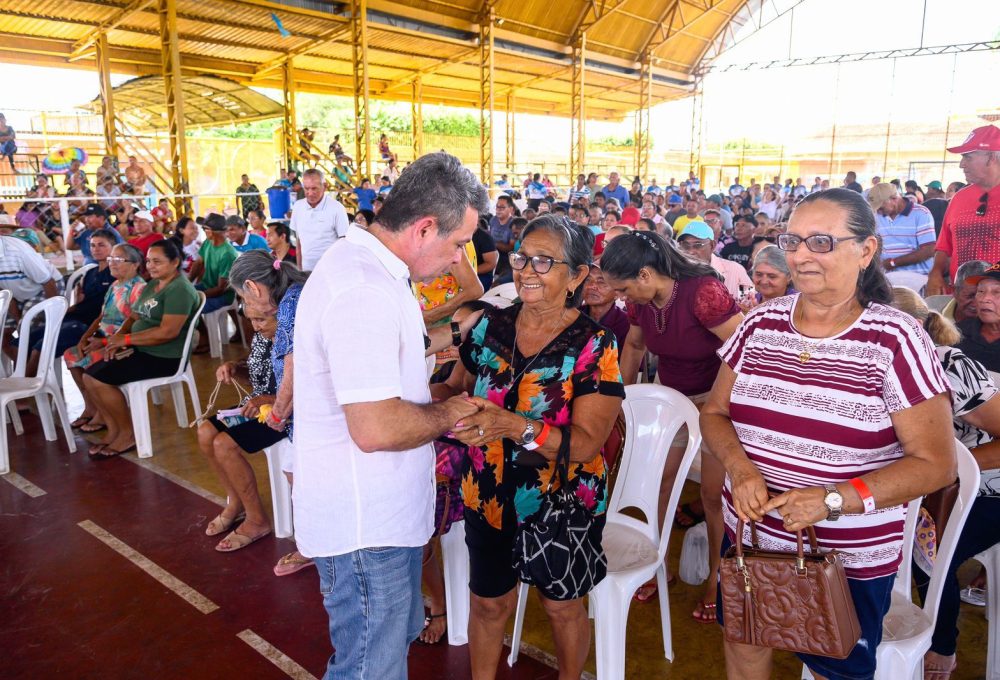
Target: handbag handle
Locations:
point(799, 548)
point(562, 460)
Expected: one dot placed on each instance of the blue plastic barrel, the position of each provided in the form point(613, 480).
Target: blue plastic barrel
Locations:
point(278, 202)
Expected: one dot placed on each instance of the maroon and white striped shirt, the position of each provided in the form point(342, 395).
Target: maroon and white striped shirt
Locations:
point(828, 419)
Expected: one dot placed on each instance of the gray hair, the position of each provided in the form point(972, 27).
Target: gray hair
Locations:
point(772, 256)
point(129, 252)
point(313, 172)
point(435, 185)
point(261, 267)
point(577, 249)
point(970, 268)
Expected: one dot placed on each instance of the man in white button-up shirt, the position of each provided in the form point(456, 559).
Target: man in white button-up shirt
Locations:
point(318, 220)
point(364, 467)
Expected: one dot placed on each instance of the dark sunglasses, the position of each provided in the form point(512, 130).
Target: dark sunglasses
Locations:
point(983, 204)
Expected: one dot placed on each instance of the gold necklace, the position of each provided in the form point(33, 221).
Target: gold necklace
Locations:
point(807, 348)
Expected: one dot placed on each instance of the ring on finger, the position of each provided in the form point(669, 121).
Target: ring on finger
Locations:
point(481, 432)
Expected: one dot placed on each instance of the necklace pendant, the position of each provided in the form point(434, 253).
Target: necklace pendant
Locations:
point(804, 357)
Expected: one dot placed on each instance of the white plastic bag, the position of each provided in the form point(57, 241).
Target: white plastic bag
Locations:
point(694, 555)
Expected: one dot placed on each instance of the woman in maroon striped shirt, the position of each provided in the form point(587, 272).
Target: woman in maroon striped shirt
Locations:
point(836, 403)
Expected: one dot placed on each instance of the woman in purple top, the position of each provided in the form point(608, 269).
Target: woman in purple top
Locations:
point(681, 312)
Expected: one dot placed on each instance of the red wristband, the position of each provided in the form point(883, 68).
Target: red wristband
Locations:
point(128, 340)
point(275, 419)
point(866, 495)
point(544, 434)
point(104, 342)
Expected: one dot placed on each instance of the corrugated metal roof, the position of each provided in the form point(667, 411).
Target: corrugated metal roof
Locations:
point(436, 39)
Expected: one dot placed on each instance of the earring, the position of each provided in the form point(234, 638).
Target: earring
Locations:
point(570, 294)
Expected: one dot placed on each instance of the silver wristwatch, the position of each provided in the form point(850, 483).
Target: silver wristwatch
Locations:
point(834, 502)
point(528, 436)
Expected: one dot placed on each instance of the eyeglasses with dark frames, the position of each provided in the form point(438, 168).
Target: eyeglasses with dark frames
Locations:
point(817, 243)
point(541, 264)
point(984, 201)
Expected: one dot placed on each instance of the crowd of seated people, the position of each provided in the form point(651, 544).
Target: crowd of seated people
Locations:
point(687, 288)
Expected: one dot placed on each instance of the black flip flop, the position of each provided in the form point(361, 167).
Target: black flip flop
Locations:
point(687, 513)
point(107, 453)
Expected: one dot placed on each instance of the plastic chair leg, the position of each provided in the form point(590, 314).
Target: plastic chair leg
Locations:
point(156, 396)
point(213, 326)
point(611, 607)
point(456, 583)
point(15, 418)
point(180, 409)
point(281, 500)
point(5, 407)
point(192, 390)
point(515, 639)
point(45, 415)
point(60, 406)
point(140, 421)
point(991, 560)
point(661, 586)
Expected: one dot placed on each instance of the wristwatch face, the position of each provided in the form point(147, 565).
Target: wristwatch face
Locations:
point(529, 434)
point(834, 501)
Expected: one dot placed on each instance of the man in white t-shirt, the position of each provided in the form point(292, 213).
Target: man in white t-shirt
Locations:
point(318, 220)
point(364, 467)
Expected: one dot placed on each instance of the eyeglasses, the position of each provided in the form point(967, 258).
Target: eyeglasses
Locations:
point(817, 243)
point(540, 263)
point(983, 204)
point(692, 244)
point(119, 260)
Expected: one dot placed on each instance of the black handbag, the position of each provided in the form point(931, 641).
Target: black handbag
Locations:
point(556, 549)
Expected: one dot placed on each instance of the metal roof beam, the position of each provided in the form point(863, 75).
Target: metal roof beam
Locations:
point(308, 46)
point(110, 24)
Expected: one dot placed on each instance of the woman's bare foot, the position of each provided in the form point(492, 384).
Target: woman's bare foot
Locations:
point(939, 667)
point(435, 626)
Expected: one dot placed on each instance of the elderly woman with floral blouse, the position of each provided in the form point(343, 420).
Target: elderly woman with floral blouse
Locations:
point(540, 371)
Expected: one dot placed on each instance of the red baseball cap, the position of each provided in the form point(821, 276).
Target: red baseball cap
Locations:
point(985, 138)
point(630, 216)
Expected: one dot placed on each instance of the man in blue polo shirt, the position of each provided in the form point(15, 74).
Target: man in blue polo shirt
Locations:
point(616, 191)
point(243, 240)
point(365, 194)
point(94, 217)
point(908, 236)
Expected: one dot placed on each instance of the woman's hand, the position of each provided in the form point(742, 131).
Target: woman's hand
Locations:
point(800, 508)
point(226, 372)
point(749, 492)
point(115, 344)
point(252, 407)
point(490, 423)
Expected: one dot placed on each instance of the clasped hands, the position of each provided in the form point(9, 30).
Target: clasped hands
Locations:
point(480, 421)
point(799, 508)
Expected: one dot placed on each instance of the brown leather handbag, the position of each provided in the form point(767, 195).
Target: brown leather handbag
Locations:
point(797, 602)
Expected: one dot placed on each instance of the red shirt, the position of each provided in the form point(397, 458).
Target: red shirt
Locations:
point(679, 333)
point(966, 236)
point(143, 242)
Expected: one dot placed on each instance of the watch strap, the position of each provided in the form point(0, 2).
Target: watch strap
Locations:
point(456, 334)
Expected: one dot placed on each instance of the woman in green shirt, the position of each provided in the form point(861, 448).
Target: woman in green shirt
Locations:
point(149, 344)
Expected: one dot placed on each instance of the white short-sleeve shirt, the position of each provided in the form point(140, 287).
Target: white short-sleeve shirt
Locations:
point(317, 228)
point(22, 270)
point(359, 337)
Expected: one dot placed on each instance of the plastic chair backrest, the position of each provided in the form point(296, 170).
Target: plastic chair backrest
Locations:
point(192, 324)
point(968, 488)
point(5, 298)
point(653, 416)
point(995, 377)
point(902, 585)
point(75, 278)
point(54, 309)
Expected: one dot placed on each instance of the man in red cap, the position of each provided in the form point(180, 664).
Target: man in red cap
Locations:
point(971, 227)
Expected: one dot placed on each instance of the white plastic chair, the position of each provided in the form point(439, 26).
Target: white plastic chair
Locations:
point(937, 302)
point(507, 291)
point(907, 629)
point(281, 491)
point(136, 392)
point(41, 386)
point(455, 555)
point(991, 560)
point(217, 327)
point(70, 293)
point(636, 548)
point(6, 368)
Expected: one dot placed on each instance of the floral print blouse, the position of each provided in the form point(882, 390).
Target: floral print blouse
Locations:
point(502, 482)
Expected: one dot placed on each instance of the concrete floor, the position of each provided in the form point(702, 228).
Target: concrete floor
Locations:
point(288, 613)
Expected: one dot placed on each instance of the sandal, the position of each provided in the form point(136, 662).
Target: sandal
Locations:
point(106, 452)
point(81, 421)
point(686, 517)
point(648, 590)
point(704, 612)
point(221, 524)
point(427, 622)
point(88, 428)
point(236, 541)
point(291, 563)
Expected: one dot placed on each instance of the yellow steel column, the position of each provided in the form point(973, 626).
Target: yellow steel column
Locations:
point(362, 113)
point(486, 112)
point(642, 119)
point(170, 65)
point(107, 98)
point(578, 95)
point(417, 111)
point(289, 132)
point(510, 133)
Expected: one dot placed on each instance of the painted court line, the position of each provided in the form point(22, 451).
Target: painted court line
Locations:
point(22, 484)
point(181, 589)
point(180, 481)
point(541, 656)
point(275, 656)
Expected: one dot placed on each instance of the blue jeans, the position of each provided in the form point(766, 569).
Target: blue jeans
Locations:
point(373, 599)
